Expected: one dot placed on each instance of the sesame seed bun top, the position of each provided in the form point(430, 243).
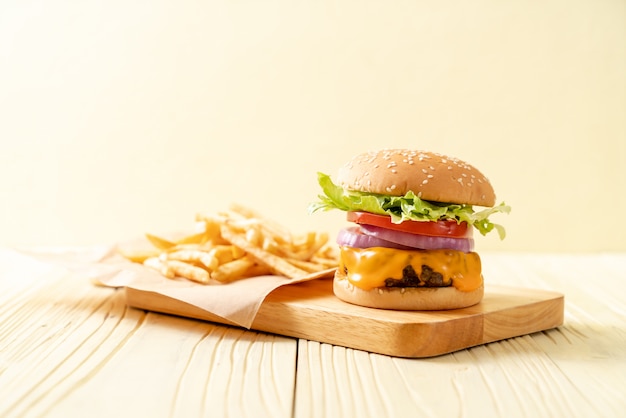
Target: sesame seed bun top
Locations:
point(429, 175)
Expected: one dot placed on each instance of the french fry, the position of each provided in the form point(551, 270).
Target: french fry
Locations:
point(308, 266)
point(212, 225)
point(313, 243)
point(236, 244)
point(188, 271)
point(192, 247)
point(254, 236)
point(276, 264)
point(257, 270)
point(324, 261)
point(278, 232)
point(138, 256)
point(225, 253)
point(157, 264)
point(237, 252)
point(232, 270)
point(199, 238)
point(160, 243)
point(195, 256)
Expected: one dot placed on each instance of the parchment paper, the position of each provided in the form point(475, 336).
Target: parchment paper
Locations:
point(237, 302)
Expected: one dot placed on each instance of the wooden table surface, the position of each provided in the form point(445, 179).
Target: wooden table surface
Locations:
point(72, 349)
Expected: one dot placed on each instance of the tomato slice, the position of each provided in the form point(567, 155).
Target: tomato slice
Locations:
point(443, 228)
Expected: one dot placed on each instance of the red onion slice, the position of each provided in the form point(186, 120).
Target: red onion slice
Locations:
point(353, 237)
point(418, 241)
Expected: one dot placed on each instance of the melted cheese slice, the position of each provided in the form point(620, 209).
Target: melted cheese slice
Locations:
point(367, 268)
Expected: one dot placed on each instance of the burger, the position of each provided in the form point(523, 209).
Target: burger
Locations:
point(410, 242)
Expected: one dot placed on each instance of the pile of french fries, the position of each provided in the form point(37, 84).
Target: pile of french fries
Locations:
point(236, 244)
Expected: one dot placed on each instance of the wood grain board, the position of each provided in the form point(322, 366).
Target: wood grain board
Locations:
point(309, 310)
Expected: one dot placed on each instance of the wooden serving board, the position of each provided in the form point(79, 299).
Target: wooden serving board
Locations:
point(310, 310)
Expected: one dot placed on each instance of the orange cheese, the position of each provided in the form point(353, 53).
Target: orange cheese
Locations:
point(367, 268)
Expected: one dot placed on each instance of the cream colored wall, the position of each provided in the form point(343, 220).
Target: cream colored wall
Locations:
point(122, 117)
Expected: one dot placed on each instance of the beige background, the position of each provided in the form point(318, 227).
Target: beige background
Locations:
point(118, 118)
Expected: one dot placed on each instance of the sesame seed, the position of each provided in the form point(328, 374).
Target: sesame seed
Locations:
point(425, 182)
point(430, 176)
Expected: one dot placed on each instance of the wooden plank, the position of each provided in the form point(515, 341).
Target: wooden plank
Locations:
point(310, 310)
point(575, 370)
point(71, 349)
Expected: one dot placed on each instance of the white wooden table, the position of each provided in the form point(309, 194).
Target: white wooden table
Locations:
point(72, 349)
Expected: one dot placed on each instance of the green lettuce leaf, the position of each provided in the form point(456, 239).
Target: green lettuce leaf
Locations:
point(402, 208)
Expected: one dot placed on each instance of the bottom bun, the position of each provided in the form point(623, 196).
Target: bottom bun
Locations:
point(406, 298)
